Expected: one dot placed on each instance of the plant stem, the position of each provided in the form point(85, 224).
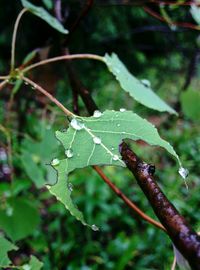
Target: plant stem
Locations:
point(47, 94)
point(14, 38)
point(127, 201)
point(2, 84)
point(4, 77)
point(63, 57)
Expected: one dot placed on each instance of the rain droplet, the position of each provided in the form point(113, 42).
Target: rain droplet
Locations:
point(69, 153)
point(70, 187)
point(122, 110)
point(146, 83)
point(97, 114)
point(183, 172)
point(55, 162)
point(26, 83)
point(97, 140)
point(112, 148)
point(77, 124)
point(118, 125)
point(94, 228)
point(115, 157)
point(26, 267)
point(9, 211)
point(117, 70)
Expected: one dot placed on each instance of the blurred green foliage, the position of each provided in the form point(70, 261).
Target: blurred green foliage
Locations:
point(151, 50)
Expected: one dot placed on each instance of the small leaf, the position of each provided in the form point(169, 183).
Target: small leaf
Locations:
point(190, 101)
point(44, 15)
point(138, 90)
point(20, 219)
point(95, 141)
point(5, 247)
point(34, 264)
point(195, 12)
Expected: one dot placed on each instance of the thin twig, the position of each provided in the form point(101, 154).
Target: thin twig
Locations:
point(4, 77)
point(64, 57)
point(3, 84)
point(14, 38)
point(127, 201)
point(47, 94)
point(181, 24)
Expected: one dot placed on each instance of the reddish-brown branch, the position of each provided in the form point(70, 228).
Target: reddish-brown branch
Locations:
point(128, 202)
point(159, 17)
point(182, 235)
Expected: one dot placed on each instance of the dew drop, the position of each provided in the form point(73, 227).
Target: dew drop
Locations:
point(112, 148)
point(115, 157)
point(76, 124)
point(55, 162)
point(69, 153)
point(26, 267)
point(97, 140)
point(94, 228)
point(122, 110)
point(26, 83)
point(146, 83)
point(97, 114)
point(118, 125)
point(70, 187)
point(183, 172)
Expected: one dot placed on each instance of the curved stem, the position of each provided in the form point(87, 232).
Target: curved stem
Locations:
point(47, 94)
point(14, 38)
point(63, 57)
point(4, 77)
point(127, 201)
point(3, 84)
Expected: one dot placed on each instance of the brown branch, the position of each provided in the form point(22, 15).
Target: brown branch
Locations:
point(182, 235)
point(159, 17)
point(128, 202)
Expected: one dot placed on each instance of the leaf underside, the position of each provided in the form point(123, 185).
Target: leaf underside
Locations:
point(45, 16)
point(136, 89)
point(108, 131)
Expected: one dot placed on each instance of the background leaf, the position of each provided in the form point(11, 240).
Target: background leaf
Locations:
point(139, 90)
point(95, 141)
point(20, 219)
point(44, 15)
point(5, 247)
point(190, 101)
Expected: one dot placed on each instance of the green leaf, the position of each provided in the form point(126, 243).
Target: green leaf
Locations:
point(195, 12)
point(190, 101)
point(44, 15)
point(19, 219)
point(95, 141)
point(34, 264)
point(5, 247)
point(136, 89)
point(36, 154)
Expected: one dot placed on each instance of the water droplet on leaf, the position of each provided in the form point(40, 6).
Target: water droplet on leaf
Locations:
point(55, 162)
point(146, 83)
point(97, 114)
point(94, 228)
point(70, 187)
point(112, 148)
point(115, 157)
point(118, 125)
point(183, 172)
point(97, 140)
point(76, 124)
point(122, 110)
point(69, 153)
